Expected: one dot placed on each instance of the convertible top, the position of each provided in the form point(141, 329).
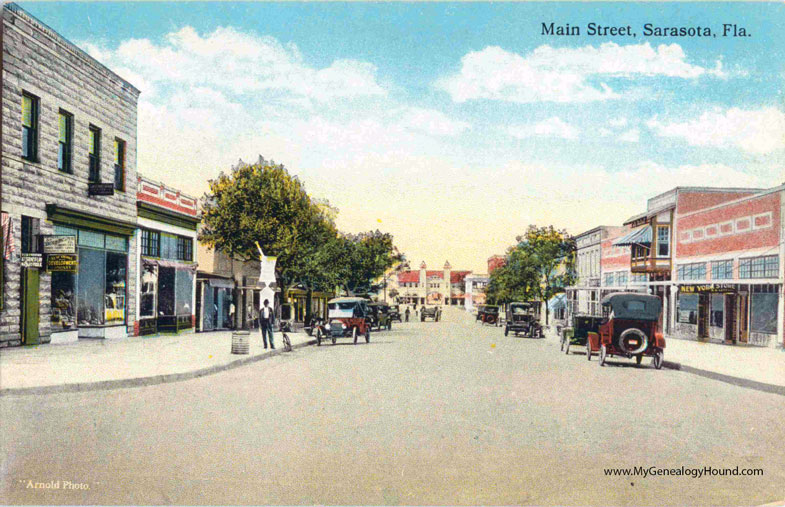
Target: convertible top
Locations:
point(634, 305)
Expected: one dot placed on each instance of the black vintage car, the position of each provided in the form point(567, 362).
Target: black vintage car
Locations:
point(578, 331)
point(430, 312)
point(523, 318)
point(395, 313)
point(488, 314)
point(380, 315)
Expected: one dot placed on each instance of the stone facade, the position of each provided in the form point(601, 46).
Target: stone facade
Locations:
point(38, 61)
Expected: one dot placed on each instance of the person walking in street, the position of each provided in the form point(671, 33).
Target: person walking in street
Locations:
point(407, 314)
point(266, 317)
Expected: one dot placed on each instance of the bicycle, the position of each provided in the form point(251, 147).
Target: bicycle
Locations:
point(287, 343)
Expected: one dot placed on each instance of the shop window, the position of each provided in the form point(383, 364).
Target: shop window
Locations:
point(119, 165)
point(166, 291)
point(119, 243)
point(688, 309)
point(115, 295)
point(30, 127)
point(148, 290)
point(763, 310)
point(65, 141)
point(151, 243)
point(91, 239)
point(94, 154)
point(92, 286)
point(184, 280)
point(759, 267)
point(717, 310)
point(63, 301)
point(721, 270)
point(663, 241)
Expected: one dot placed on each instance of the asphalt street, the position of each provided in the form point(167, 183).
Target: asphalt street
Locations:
point(429, 413)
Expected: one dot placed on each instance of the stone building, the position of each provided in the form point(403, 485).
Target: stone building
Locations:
point(445, 287)
point(68, 174)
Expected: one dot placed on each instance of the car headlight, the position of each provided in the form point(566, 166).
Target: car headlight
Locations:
point(343, 326)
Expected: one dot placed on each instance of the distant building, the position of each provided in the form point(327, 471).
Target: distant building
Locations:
point(495, 261)
point(475, 290)
point(445, 287)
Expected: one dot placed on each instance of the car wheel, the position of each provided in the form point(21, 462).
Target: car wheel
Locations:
point(588, 350)
point(389, 326)
point(367, 335)
point(506, 330)
point(659, 356)
point(603, 354)
point(334, 339)
point(354, 335)
point(638, 358)
point(318, 338)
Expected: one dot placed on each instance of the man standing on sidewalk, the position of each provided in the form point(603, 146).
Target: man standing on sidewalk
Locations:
point(267, 319)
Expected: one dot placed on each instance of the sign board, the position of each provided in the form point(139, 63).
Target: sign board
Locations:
point(31, 260)
point(62, 262)
point(267, 278)
point(720, 288)
point(100, 189)
point(59, 244)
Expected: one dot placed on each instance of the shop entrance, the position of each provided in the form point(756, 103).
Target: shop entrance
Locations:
point(30, 305)
point(742, 312)
point(731, 317)
point(703, 315)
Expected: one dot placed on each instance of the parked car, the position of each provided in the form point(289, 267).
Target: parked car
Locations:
point(578, 332)
point(488, 314)
point(430, 312)
point(346, 317)
point(523, 318)
point(380, 315)
point(395, 313)
point(630, 328)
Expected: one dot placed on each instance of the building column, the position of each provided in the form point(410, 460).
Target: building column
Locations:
point(673, 307)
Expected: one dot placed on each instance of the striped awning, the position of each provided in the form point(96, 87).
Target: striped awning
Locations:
point(640, 236)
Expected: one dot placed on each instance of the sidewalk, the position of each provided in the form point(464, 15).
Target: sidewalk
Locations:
point(135, 361)
point(760, 368)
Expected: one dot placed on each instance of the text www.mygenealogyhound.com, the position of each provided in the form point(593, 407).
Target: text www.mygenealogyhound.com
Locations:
point(695, 473)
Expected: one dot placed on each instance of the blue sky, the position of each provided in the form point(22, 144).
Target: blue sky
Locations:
point(453, 126)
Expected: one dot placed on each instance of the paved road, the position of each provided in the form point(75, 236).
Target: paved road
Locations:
point(430, 413)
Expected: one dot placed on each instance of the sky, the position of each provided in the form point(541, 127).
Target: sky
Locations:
point(452, 126)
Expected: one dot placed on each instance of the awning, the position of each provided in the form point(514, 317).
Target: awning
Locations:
point(170, 264)
point(557, 302)
point(221, 283)
point(640, 236)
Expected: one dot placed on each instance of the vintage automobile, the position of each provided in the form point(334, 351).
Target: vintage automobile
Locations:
point(578, 332)
point(395, 313)
point(380, 315)
point(630, 328)
point(346, 317)
point(430, 312)
point(523, 318)
point(488, 314)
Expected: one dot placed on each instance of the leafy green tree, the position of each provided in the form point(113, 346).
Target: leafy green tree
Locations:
point(357, 260)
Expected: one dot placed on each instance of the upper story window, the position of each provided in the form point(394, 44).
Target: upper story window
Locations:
point(185, 248)
point(30, 233)
point(663, 241)
point(30, 127)
point(759, 267)
point(65, 141)
point(119, 165)
point(609, 280)
point(94, 151)
point(694, 271)
point(722, 270)
point(151, 243)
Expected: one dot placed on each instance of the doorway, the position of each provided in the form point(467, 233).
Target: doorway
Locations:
point(743, 312)
point(703, 316)
point(30, 306)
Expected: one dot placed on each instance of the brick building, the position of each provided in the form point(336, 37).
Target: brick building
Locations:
point(446, 287)
point(68, 174)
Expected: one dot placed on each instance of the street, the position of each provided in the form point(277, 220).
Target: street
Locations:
point(447, 412)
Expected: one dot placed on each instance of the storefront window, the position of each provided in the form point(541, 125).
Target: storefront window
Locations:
point(184, 292)
point(92, 286)
point(63, 301)
point(166, 291)
point(717, 310)
point(148, 291)
point(763, 311)
point(115, 287)
point(688, 309)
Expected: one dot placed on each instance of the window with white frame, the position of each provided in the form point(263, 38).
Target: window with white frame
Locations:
point(759, 267)
point(693, 271)
point(663, 241)
point(722, 270)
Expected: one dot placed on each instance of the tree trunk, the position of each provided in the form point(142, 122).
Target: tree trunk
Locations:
point(308, 305)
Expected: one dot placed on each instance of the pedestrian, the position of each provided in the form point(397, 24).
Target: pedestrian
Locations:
point(407, 314)
point(267, 318)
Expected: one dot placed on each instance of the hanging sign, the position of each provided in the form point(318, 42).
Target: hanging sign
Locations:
point(62, 262)
point(59, 244)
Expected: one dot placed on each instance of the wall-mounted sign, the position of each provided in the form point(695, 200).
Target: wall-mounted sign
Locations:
point(31, 260)
point(62, 262)
point(59, 244)
point(100, 189)
point(719, 288)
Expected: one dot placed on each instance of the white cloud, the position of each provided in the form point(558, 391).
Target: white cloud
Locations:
point(552, 127)
point(550, 74)
point(431, 122)
point(757, 131)
point(630, 136)
point(618, 122)
point(239, 62)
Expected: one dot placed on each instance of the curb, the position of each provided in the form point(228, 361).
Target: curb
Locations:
point(728, 379)
point(105, 385)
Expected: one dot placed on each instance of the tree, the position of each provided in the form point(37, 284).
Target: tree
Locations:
point(263, 203)
point(357, 260)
